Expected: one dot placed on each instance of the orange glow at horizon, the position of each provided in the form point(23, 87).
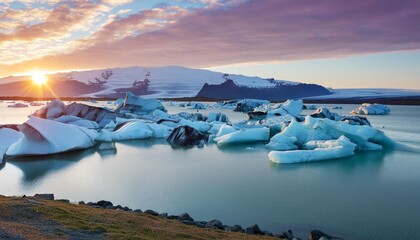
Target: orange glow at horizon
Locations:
point(39, 79)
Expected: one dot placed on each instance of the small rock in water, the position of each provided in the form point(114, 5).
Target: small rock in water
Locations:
point(45, 196)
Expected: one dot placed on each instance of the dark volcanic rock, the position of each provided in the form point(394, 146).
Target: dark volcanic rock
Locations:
point(185, 217)
point(214, 224)
point(237, 228)
point(254, 229)
point(104, 203)
point(185, 136)
point(286, 235)
point(317, 234)
point(280, 92)
point(151, 212)
point(45, 196)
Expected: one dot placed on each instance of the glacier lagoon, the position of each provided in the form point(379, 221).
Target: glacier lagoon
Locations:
point(371, 195)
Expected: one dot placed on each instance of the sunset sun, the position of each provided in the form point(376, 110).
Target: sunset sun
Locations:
point(39, 78)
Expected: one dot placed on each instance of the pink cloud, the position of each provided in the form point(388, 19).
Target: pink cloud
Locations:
point(259, 30)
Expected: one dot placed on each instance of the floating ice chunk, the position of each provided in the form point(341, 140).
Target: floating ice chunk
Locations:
point(281, 143)
point(48, 137)
point(365, 137)
point(321, 150)
point(138, 105)
point(18, 105)
point(126, 131)
point(293, 107)
point(198, 106)
point(78, 122)
point(129, 129)
point(247, 105)
point(52, 110)
point(309, 107)
point(200, 126)
point(247, 135)
point(186, 136)
point(217, 117)
point(8, 136)
point(225, 129)
point(371, 109)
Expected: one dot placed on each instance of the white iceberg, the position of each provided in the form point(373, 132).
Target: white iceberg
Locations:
point(44, 136)
point(246, 135)
point(138, 105)
point(282, 143)
point(371, 109)
point(129, 129)
point(319, 150)
point(18, 105)
point(313, 129)
point(52, 110)
point(8, 136)
point(248, 105)
point(78, 122)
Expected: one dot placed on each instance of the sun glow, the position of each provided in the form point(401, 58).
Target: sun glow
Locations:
point(39, 78)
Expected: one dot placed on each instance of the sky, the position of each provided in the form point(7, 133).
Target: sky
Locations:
point(338, 44)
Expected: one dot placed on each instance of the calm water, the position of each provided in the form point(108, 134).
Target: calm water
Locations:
point(372, 195)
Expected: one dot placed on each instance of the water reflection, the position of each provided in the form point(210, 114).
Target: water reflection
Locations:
point(35, 168)
point(106, 149)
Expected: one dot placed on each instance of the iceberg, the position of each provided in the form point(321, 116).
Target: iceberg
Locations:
point(217, 117)
point(186, 136)
point(197, 106)
point(371, 109)
point(246, 135)
point(18, 105)
point(42, 137)
point(126, 131)
point(281, 143)
point(318, 151)
point(247, 105)
point(52, 110)
point(129, 129)
point(138, 105)
point(57, 109)
point(78, 122)
point(8, 136)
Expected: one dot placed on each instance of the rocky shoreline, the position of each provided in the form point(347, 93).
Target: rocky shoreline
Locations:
point(185, 218)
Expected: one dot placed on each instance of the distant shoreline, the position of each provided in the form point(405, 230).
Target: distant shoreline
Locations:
point(415, 100)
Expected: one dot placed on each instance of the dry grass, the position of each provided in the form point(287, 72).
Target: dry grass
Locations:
point(40, 219)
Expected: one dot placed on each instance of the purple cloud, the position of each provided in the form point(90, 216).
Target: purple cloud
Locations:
point(258, 30)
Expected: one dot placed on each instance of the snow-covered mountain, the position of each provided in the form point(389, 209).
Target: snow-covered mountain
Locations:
point(162, 82)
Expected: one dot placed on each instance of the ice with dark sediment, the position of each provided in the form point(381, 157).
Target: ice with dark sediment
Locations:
point(291, 136)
